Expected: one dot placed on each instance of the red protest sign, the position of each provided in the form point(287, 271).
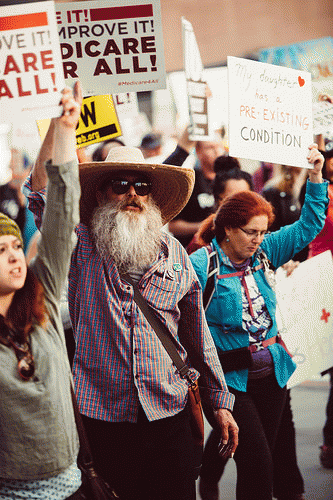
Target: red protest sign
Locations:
point(31, 76)
point(107, 45)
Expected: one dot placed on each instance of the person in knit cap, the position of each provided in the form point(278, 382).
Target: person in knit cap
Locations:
point(38, 437)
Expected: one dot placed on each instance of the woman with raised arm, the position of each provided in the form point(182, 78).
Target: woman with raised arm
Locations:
point(38, 437)
point(241, 316)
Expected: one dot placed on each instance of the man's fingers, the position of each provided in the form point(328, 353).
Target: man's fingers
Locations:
point(234, 441)
point(225, 450)
point(78, 92)
point(229, 433)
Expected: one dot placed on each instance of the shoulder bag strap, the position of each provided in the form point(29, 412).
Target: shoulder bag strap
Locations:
point(212, 269)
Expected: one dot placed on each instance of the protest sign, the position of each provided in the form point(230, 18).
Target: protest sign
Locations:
point(270, 112)
point(315, 56)
point(218, 84)
point(134, 124)
point(31, 75)
point(126, 104)
point(323, 118)
point(197, 88)
point(112, 47)
point(305, 315)
point(98, 121)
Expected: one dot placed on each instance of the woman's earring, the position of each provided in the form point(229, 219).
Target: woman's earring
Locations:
point(227, 239)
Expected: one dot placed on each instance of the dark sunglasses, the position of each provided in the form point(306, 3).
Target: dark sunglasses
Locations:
point(122, 186)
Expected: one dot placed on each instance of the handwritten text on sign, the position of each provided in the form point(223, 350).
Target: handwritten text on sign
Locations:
point(31, 75)
point(322, 117)
point(270, 112)
point(109, 46)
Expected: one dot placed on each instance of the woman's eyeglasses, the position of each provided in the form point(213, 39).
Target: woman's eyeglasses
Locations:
point(252, 233)
point(122, 186)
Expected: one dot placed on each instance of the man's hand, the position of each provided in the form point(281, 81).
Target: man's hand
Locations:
point(184, 141)
point(71, 103)
point(229, 433)
point(325, 97)
point(65, 126)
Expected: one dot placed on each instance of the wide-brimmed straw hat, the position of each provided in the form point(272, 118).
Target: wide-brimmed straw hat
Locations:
point(171, 186)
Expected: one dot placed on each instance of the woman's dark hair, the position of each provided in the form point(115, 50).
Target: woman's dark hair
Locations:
point(222, 177)
point(98, 153)
point(327, 155)
point(225, 162)
point(236, 211)
point(27, 307)
point(206, 230)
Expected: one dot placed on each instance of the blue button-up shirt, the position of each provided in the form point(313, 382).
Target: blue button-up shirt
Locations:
point(119, 361)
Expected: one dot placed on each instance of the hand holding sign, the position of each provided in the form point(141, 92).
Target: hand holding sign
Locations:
point(65, 126)
point(71, 105)
point(325, 97)
point(317, 160)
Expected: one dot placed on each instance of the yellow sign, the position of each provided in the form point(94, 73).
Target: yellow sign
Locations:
point(98, 121)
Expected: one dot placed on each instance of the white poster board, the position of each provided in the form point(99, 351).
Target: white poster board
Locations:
point(133, 123)
point(270, 112)
point(218, 84)
point(305, 315)
point(196, 85)
point(112, 46)
point(31, 75)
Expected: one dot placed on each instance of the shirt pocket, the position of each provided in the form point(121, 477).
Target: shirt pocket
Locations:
point(226, 305)
point(163, 293)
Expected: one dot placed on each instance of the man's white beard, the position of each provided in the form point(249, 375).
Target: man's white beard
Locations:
point(132, 239)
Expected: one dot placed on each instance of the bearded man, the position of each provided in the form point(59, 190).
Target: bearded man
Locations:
point(132, 397)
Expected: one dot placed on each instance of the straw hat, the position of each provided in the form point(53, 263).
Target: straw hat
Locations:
point(171, 186)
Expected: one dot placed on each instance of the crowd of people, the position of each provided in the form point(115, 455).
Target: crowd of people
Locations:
point(202, 246)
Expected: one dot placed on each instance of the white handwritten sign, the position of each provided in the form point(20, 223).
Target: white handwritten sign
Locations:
point(270, 112)
point(31, 75)
point(305, 315)
point(322, 117)
point(112, 47)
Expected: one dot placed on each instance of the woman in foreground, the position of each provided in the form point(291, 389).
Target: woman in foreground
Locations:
point(38, 437)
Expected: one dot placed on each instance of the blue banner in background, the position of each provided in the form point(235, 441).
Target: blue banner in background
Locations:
point(315, 56)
